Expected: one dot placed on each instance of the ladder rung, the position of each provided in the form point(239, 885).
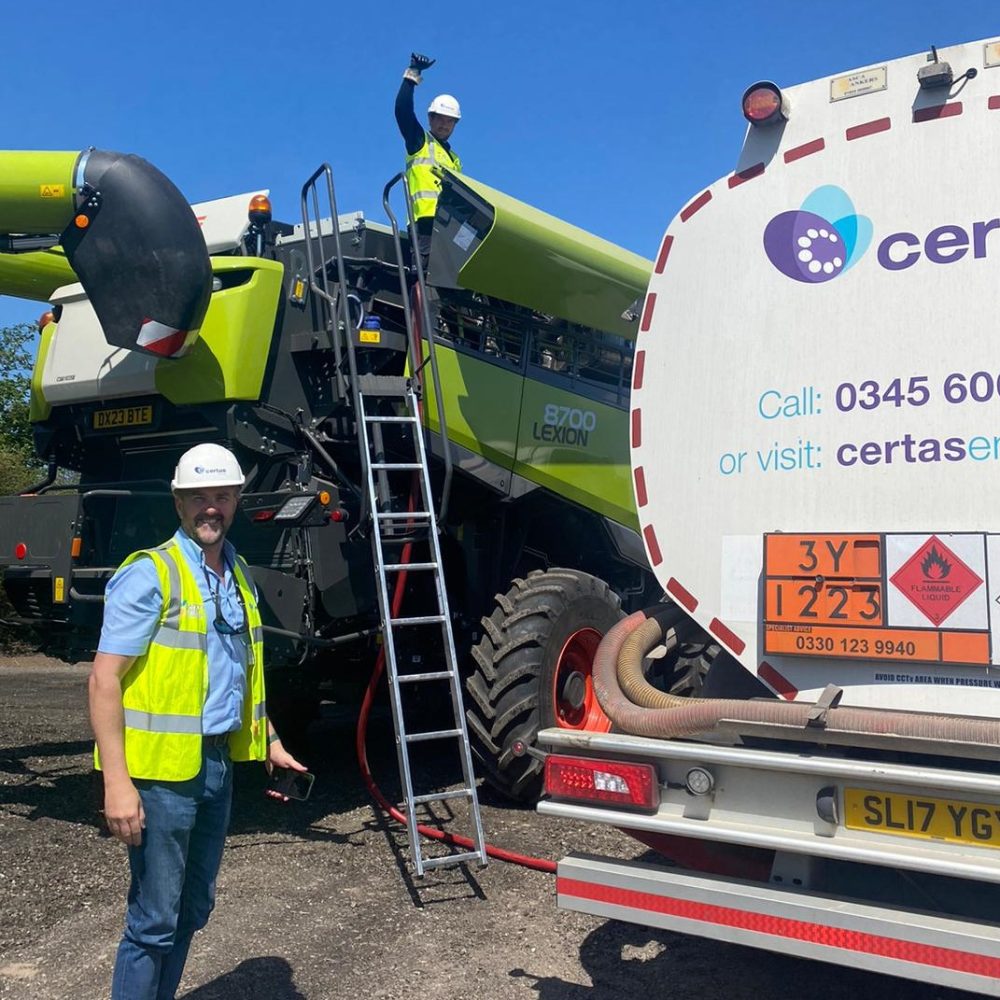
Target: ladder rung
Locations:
point(390, 420)
point(458, 793)
point(402, 515)
point(452, 859)
point(396, 465)
point(420, 620)
point(437, 734)
point(383, 385)
point(436, 675)
point(393, 567)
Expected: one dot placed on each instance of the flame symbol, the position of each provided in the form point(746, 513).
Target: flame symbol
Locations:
point(934, 566)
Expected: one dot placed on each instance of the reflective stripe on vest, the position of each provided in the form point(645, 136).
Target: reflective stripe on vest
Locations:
point(160, 722)
point(164, 691)
point(423, 175)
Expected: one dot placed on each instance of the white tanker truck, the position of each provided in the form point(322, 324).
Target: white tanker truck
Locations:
point(815, 434)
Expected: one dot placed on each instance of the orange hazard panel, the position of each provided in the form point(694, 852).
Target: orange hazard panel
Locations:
point(853, 643)
point(852, 556)
point(965, 647)
point(827, 602)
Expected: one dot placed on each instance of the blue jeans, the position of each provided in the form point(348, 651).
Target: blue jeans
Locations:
point(173, 877)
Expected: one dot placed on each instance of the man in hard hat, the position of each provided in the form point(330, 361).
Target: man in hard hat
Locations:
point(177, 695)
point(427, 151)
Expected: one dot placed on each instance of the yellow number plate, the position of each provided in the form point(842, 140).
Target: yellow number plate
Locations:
point(122, 416)
point(955, 820)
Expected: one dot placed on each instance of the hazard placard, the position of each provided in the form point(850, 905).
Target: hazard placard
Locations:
point(937, 579)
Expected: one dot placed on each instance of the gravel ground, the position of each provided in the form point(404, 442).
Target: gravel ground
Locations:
point(316, 901)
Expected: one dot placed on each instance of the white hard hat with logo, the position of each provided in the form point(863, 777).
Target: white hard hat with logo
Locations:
point(445, 104)
point(207, 465)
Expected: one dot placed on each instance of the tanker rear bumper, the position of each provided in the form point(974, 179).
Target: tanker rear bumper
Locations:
point(962, 954)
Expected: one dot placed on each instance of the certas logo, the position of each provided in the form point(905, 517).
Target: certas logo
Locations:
point(819, 241)
point(935, 580)
point(204, 470)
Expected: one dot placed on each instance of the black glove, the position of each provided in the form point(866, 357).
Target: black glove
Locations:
point(419, 62)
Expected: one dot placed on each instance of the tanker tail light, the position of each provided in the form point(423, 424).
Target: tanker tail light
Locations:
point(609, 782)
point(764, 104)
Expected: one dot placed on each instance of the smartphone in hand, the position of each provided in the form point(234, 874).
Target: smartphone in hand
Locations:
point(294, 784)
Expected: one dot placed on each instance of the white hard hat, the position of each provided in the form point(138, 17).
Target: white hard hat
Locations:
point(207, 465)
point(445, 104)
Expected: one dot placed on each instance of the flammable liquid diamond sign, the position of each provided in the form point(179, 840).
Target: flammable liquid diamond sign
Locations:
point(935, 580)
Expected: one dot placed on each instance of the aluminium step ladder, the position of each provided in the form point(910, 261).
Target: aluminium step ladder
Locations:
point(391, 528)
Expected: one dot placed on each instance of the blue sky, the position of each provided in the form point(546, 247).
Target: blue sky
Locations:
point(609, 115)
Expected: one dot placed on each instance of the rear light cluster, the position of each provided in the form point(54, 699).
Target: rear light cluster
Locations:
point(764, 104)
point(610, 781)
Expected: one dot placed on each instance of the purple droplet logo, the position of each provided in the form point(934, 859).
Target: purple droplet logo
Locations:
point(806, 246)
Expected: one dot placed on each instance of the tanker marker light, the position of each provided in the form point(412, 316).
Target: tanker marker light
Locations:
point(20, 550)
point(698, 781)
point(763, 104)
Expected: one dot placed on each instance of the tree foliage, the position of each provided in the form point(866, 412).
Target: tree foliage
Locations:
point(18, 467)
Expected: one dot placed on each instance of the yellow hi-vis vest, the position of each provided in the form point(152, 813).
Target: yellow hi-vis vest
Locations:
point(423, 176)
point(164, 691)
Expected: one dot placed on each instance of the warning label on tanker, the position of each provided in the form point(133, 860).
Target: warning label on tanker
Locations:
point(935, 580)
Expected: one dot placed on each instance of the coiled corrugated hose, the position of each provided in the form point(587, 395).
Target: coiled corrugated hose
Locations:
point(635, 706)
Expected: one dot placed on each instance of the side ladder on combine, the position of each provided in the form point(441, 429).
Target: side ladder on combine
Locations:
point(393, 456)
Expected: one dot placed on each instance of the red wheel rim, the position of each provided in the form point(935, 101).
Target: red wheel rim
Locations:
point(577, 657)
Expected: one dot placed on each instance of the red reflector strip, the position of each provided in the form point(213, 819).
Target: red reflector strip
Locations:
point(869, 128)
point(727, 635)
point(647, 312)
point(636, 427)
point(661, 257)
point(159, 338)
point(684, 597)
point(263, 515)
point(938, 111)
point(781, 684)
point(655, 556)
point(798, 930)
point(700, 202)
point(638, 369)
point(807, 148)
point(746, 175)
point(641, 498)
point(994, 102)
point(611, 781)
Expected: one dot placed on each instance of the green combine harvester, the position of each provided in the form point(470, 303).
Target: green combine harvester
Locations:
point(172, 327)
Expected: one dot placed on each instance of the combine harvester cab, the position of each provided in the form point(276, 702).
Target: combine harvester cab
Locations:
point(826, 515)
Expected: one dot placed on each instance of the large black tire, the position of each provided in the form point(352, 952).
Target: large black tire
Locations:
point(683, 670)
point(511, 692)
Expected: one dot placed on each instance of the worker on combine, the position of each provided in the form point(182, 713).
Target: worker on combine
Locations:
point(427, 151)
point(177, 695)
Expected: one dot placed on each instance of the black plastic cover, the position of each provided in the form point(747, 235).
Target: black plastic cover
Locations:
point(142, 258)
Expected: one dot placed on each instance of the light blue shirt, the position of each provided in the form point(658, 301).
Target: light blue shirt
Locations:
point(133, 601)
